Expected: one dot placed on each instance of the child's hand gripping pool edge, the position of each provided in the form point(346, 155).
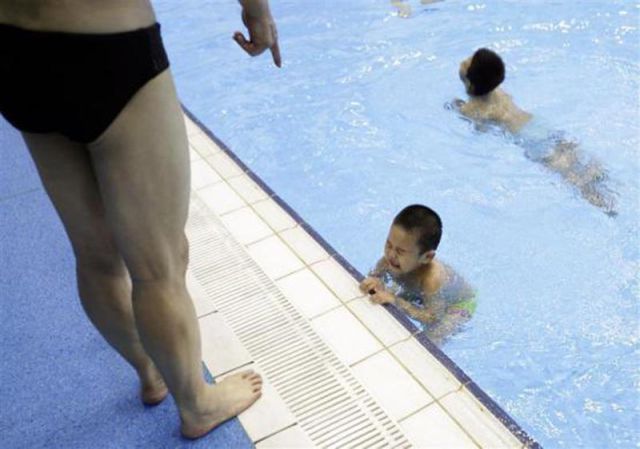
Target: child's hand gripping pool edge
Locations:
point(377, 291)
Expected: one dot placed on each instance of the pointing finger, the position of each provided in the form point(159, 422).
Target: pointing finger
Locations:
point(275, 52)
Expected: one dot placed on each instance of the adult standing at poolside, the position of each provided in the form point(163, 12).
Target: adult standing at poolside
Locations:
point(88, 84)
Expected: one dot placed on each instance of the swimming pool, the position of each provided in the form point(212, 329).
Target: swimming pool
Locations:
point(353, 128)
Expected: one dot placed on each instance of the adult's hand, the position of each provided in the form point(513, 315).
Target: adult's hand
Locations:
point(262, 30)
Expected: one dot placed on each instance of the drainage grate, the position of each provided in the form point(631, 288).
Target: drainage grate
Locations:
point(328, 402)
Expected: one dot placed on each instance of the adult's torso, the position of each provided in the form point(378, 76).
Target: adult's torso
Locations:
point(77, 16)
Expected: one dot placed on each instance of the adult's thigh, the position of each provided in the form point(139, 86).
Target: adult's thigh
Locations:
point(67, 175)
point(142, 166)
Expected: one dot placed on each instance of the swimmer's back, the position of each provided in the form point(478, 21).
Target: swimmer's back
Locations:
point(497, 107)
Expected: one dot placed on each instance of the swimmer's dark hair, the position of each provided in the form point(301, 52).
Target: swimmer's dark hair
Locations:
point(425, 222)
point(485, 72)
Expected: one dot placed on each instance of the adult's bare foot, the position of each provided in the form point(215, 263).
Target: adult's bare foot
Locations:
point(153, 389)
point(223, 401)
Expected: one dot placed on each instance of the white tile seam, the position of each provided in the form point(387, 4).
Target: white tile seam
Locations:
point(466, 431)
point(214, 183)
point(447, 412)
point(384, 347)
point(289, 246)
point(204, 315)
point(462, 390)
point(270, 199)
point(275, 433)
point(411, 373)
point(243, 366)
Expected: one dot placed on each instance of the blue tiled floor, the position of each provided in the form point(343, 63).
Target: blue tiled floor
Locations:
point(61, 386)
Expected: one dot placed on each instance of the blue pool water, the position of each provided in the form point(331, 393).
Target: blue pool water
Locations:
point(353, 128)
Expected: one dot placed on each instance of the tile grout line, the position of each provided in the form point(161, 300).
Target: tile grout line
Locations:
point(290, 426)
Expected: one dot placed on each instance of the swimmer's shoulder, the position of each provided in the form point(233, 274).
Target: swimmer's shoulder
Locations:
point(505, 111)
point(434, 279)
point(489, 107)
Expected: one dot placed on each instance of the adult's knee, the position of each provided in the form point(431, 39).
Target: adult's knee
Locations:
point(99, 262)
point(161, 262)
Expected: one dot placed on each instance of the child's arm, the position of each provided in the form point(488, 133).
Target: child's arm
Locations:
point(430, 314)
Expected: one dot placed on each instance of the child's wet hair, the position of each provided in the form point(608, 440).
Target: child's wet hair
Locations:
point(425, 222)
point(485, 72)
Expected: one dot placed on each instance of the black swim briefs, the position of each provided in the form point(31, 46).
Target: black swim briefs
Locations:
point(75, 84)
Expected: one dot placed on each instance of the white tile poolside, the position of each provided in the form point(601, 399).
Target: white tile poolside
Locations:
point(384, 373)
point(247, 189)
point(221, 350)
point(485, 429)
point(350, 340)
point(304, 246)
point(380, 322)
point(275, 258)
point(201, 143)
point(396, 390)
point(337, 278)
point(437, 380)
point(201, 300)
point(224, 165)
point(433, 428)
point(308, 293)
point(202, 174)
point(221, 198)
point(274, 215)
point(246, 226)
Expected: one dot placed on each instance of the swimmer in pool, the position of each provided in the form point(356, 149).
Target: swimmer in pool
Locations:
point(409, 276)
point(481, 75)
point(404, 7)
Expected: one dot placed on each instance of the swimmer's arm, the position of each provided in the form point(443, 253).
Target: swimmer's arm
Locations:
point(472, 110)
point(454, 105)
point(458, 103)
point(427, 315)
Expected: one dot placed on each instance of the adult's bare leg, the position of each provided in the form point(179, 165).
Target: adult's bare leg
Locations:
point(142, 167)
point(103, 281)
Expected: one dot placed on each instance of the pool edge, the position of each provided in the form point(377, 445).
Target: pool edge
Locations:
point(466, 381)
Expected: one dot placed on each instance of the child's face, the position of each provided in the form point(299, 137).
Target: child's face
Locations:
point(464, 67)
point(401, 251)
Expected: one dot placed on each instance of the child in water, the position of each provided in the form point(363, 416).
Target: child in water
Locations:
point(481, 75)
point(409, 276)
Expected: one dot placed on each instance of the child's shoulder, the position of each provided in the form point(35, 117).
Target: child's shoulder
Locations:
point(434, 278)
point(446, 283)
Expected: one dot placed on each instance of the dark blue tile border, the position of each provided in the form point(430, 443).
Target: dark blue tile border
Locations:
point(462, 377)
